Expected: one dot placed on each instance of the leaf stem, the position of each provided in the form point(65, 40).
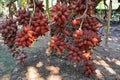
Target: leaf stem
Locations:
point(47, 8)
point(108, 22)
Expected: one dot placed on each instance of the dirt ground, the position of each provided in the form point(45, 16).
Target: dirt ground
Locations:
point(40, 67)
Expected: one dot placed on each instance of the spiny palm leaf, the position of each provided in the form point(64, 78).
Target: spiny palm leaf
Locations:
point(24, 3)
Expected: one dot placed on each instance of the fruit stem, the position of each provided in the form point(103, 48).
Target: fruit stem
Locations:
point(81, 23)
point(10, 12)
point(33, 12)
point(108, 22)
point(84, 14)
